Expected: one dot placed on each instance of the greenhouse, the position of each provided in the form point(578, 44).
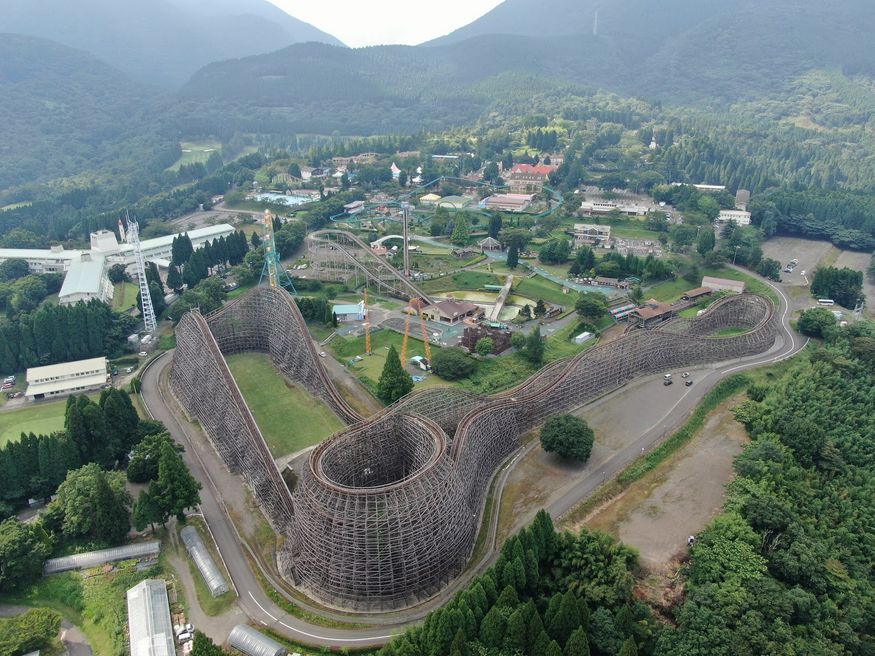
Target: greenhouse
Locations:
point(253, 643)
point(95, 558)
point(204, 561)
point(151, 631)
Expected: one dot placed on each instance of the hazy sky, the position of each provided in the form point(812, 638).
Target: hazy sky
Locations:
point(373, 22)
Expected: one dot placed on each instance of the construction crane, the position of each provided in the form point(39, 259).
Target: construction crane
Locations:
point(367, 325)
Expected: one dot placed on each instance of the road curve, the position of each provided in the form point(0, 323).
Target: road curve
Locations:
point(255, 603)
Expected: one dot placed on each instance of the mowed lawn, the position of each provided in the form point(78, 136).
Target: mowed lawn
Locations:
point(195, 151)
point(289, 417)
point(369, 368)
point(124, 295)
point(39, 418)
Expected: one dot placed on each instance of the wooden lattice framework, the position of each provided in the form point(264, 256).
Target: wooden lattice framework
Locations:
point(386, 511)
point(340, 255)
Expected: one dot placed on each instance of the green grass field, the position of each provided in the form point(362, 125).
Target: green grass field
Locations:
point(195, 151)
point(369, 368)
point(461, 281)
point(40, 418)
point(124, 295)
point(289, 417)
point(671, 290)
point(546, 290)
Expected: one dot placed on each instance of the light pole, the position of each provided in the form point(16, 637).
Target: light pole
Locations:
point(735, 254)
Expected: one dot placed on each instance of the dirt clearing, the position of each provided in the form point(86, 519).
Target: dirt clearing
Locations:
point(657, 513)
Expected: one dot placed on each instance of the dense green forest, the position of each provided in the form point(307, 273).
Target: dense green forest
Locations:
point(62, 333)
point(548, 594)
point(64, 113)
point(102, 432)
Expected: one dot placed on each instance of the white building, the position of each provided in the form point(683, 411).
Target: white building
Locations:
point(606, 207)
point(86, 279)
point(86, 269)
point(105, 243)
point(591, 233)
point(149, 622)
point(66, 378)
point(351, 312)
point(740, 217)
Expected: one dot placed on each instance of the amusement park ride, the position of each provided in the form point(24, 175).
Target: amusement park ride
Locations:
point(276, 274)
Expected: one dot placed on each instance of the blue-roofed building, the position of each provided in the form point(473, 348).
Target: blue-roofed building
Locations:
point(347, 313)
point(86, 279)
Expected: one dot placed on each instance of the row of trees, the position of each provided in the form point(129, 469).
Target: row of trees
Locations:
point(93, 506)
point(60, 333)
point(548, 594)
point(103, 432)
point(196, 264)
point(844, 286)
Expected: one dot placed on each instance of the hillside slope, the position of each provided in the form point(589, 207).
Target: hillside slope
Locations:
point(159, 41)
point(63, 112)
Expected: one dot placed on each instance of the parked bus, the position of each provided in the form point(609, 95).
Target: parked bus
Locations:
point(825, 301)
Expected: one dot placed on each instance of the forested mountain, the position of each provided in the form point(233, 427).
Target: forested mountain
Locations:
point(697, 49)
point(159, 41)
point(63, 112)
point(682, 51)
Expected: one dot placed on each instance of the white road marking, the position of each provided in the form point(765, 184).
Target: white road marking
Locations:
point(313, 635)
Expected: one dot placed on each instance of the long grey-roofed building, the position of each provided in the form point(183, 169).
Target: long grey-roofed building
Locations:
point(251, 642)
point(95, 558)
point(204, 561)
point(149, 623)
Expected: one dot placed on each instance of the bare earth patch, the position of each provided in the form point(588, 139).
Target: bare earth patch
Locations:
point(657, 513)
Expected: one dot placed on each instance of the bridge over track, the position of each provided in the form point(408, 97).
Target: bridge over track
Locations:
point(386, 511)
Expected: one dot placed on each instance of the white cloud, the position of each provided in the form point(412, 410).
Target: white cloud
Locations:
point(375, 22)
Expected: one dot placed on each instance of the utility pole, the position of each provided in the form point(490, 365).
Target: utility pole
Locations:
point(735, 254)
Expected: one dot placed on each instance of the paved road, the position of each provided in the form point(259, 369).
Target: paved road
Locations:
point(72, 637)
point(206, 467)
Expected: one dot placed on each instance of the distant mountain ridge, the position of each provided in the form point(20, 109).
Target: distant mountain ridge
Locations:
point(160, 41)
point(706, 52)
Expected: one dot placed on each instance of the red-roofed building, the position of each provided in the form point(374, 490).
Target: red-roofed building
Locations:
point(528, 178)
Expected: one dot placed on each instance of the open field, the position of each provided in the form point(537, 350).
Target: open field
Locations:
point(656, 513)
point(38, 418)
point(124, 296)
point(546, 290)
point(195, 151)
point(289, 417)
point(671, 290)
point(369, 368)
point(463, 280)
